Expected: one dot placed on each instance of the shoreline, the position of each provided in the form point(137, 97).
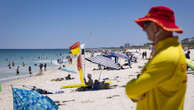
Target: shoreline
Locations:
point(18, 77)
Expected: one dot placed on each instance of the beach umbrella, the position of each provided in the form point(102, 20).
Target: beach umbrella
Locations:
point(110, 56)
point(122, 55)
point(101, 60)
point(31, 100)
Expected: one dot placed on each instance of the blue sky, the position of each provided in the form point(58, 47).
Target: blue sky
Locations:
point(97, 23)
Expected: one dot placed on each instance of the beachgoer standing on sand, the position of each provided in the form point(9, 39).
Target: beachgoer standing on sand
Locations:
point(145, 55)
point(129, 61)
point(162, 83)
point(188, 54)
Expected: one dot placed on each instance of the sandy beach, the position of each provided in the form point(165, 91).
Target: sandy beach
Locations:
point(108, 99)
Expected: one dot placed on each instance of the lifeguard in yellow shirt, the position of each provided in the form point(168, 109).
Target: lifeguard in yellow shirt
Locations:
point(162, 83)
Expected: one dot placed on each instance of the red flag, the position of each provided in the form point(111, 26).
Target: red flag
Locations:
point(75, 48)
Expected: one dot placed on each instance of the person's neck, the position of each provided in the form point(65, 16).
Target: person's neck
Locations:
point(163, 35)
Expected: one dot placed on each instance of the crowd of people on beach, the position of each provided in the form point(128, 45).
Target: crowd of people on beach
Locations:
point(42, 66)
point(13, 65)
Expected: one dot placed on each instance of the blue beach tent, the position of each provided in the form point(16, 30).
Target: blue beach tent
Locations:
point(31, 100)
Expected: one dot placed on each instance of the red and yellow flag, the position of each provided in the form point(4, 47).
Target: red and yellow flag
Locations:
point(75, 48)
point(79, 67)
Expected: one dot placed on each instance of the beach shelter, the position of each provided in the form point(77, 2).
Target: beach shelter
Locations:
point(111, 55)
point(104, 61)
point(31, 100)
point(122, 55)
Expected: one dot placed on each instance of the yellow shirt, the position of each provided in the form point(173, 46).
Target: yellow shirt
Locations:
point(163, 79)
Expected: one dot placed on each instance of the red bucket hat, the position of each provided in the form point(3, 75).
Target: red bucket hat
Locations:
point(162, 16)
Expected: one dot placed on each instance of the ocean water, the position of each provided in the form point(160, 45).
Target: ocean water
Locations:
point(29, 57)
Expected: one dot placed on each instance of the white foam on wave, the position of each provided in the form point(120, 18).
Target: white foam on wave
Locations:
point(43, 61)
point(54, 62)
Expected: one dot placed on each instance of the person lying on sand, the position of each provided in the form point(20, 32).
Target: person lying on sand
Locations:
point(68, 77)
point(100, 85)
point(97, 86)
point(41, 91)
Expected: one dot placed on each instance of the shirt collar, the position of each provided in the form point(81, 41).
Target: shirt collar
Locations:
point(166, 42)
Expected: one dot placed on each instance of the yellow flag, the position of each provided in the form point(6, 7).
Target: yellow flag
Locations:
point(75, 48)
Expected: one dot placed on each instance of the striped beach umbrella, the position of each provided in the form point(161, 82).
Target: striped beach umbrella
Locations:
point(122, 55)
point(104, 61)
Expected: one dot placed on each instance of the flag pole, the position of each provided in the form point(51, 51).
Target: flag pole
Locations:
point(83, 53)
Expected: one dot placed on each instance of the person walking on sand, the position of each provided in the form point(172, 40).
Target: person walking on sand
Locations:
point(162, 83)
point(188, 54)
